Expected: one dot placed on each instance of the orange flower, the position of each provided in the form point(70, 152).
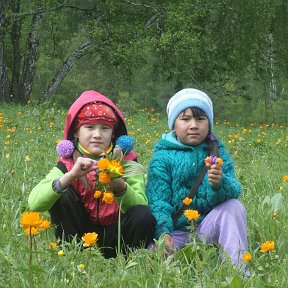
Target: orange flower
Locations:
point(267, 246)
point(89, 239)
point(191, 214)
point(30, 219)
point(285, 178)
point(247, 257)
point(103, 164)
point(187, 201)
point(31, 231)
point(52, 245)
point(104, 178)
point(108, 197)
point(97, 194)
point(45, 224)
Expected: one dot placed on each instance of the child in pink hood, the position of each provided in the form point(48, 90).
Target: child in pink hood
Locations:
point(93, 125)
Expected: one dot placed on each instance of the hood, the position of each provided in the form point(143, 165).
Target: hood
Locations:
point(88, 97)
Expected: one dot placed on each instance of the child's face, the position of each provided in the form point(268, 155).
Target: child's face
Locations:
point(94, 138)
point(189, 130)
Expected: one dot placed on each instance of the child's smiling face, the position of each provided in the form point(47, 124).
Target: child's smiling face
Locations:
point(94, 137)
point(190, 130)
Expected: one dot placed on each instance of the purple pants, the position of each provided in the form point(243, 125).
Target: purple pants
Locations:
point(225, 225)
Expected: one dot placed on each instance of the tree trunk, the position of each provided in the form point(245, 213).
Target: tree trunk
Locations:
point(30, 57)
point(15, 37)
point(65, 68)
point(4, 82)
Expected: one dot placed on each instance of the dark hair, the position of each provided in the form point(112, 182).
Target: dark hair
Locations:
point(197, 112)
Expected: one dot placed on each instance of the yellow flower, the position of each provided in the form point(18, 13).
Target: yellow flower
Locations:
point(108, 197)
point(81, 266)
point(52, 245)
point(285, 178)
point(219, 162)
point(246, 257)
point(258, 140)
point(267, 246)
point(30, 219)
point(61, 253)
point(97, 194)
point(191, 214)
point(187, 201)
point(116, 168)
point(89, 239)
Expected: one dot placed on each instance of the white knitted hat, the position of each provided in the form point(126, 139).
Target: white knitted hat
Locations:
point(188, 98)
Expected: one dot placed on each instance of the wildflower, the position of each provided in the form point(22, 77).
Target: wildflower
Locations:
point(267, 246)
point(89, 239)
point(108, 197)
point(274, 214)
point(285, 178)
point(191, 214)
point(52, 245)
point(103, 164)
point(258, 141)
point(213, 159)
point(61, 253)
point(116, 169)
point(45, 224)
point(27, 158)
point(187, 201)
point(97, 194)
point(81, 266)
point(247, 257)
point(30, 219)
point(104, 178)
point(31, 231)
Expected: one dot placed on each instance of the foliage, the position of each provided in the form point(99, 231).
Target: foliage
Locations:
point(143, 51)
point(29, 136)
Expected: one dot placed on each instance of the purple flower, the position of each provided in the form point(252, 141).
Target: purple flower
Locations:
point(65, 148)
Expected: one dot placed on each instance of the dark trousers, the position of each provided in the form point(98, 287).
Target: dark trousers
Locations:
point(71, 219)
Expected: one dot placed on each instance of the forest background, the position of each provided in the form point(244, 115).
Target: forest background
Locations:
point(139, 53)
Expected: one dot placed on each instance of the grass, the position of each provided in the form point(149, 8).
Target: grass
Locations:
point(28, 137)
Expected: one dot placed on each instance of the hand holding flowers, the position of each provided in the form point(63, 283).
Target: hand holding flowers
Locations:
point(214, 167)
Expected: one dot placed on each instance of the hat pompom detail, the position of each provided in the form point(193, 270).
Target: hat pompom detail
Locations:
point(65, 148)
point(126, 143)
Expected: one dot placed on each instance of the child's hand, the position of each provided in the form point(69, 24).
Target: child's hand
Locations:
point(117, 185)
point(82, 166)
point(169, 245)
point(214, 174)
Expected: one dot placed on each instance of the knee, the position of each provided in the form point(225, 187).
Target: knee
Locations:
point(141, 216)
point(233, 207)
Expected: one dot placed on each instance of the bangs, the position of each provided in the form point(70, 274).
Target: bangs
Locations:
point(197, 112)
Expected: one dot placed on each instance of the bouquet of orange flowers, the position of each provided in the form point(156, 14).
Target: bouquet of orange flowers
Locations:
point(107, 170)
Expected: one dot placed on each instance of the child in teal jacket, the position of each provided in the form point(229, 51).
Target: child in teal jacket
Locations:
point(176, 162)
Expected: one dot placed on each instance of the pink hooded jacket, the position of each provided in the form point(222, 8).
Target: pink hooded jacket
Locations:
point(100, 212)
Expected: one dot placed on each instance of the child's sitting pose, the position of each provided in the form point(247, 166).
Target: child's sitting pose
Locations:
point(93, 125)
point(176, 162)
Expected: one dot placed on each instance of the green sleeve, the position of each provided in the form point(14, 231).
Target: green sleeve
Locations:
point(42, 197)
point(135, 193)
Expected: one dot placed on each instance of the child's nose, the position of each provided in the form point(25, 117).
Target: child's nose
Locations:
point(96, 132)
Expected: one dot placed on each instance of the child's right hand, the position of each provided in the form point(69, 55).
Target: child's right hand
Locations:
point(82, 166)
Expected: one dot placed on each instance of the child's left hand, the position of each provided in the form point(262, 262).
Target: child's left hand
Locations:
point(214, 174)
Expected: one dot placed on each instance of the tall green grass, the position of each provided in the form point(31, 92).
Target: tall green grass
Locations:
point(28, 137)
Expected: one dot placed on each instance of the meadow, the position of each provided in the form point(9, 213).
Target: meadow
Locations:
point(29, 136)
